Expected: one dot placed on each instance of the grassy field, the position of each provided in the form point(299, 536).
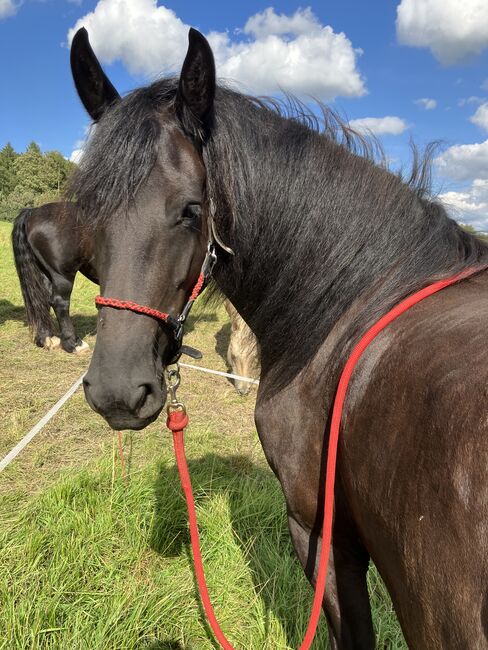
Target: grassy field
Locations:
point(88, 561)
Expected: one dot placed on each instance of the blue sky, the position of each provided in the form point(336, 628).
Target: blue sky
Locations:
point(367, 59)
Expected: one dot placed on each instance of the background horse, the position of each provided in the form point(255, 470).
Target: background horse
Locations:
point(325, 242)
point(48, 253)
point(243, 352)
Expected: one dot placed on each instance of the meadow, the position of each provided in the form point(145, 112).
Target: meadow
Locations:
point(89, 560)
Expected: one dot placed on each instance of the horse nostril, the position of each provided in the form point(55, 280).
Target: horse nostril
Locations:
point(139, 397)
point(148, 400)
point(93, 395)
point(86, 387)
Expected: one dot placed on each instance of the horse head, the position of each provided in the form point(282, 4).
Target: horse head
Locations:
point(141, 186)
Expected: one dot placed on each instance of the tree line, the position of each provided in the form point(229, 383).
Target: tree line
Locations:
point(30, 178)
point(33, 178)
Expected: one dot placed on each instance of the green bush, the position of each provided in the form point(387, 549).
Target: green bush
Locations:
point(30, 179)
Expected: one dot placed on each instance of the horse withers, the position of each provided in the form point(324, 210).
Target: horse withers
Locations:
point(325, 241)
point(48, 253)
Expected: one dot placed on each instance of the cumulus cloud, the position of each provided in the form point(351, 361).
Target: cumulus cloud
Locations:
point(274, 51)
point(471, 205)
point(7, 8)
point(379, 125)
point(451, 29)
point(426, 103)
point(268, 22)
point(480, 118)
point(464, 162)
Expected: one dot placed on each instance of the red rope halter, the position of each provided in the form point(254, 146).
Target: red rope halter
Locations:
point(149, 311)
point(178, 420)
point(131, 306)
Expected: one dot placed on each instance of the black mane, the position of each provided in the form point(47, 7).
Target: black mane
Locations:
point(315, 220)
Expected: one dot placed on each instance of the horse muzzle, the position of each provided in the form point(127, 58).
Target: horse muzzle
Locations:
point(126, 403)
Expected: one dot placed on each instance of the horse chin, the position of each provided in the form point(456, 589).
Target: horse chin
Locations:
point(120, 422)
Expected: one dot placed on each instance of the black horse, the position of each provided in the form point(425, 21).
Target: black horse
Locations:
point(48, 253)
point(325, 242)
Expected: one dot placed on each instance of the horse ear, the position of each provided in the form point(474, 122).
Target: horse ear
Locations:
point(196, 90)
point(94, 87)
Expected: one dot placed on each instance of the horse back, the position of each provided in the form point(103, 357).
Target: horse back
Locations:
point(57, 240)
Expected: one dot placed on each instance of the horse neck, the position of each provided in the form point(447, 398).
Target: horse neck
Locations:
point(313, 227)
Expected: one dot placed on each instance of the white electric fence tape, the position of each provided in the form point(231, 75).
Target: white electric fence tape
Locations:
point(220, 373)
point(52, 411)
point(35, 430)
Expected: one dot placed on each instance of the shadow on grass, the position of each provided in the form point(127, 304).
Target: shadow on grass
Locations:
point(164, 645)
point(84, 325)
point(194, 320)
point(222, 338)
point(259, 526)
point(9, 311)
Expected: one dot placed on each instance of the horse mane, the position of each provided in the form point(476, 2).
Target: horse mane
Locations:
point(309, 206)
point(123, 149)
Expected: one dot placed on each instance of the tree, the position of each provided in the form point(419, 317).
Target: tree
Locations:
point(8, 177)
point(30, 178)
point(473, 231)
point(28, 167)
point(56, 171)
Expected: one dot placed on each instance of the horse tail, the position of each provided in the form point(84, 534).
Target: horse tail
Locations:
point(35, 286)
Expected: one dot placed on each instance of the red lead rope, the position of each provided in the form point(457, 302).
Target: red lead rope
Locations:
point(177, 421)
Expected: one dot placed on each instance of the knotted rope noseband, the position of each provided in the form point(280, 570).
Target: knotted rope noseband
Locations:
point(175, 323)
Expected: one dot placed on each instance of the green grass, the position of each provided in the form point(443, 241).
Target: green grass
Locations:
point(90, 561)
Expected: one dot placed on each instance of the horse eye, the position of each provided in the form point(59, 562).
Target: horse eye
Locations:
point(192, 212)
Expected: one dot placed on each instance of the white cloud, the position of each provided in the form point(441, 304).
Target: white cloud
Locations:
point(452, 29)
point(7, 8)
point(295, 53)
point(464, 161)
point(426, 103)
point(76, 155)
point(480, 118)
point(79, 146)
point(474, 99)
point(470, 206)
point(268, 22)
point(147, 38)
point(379, 125)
